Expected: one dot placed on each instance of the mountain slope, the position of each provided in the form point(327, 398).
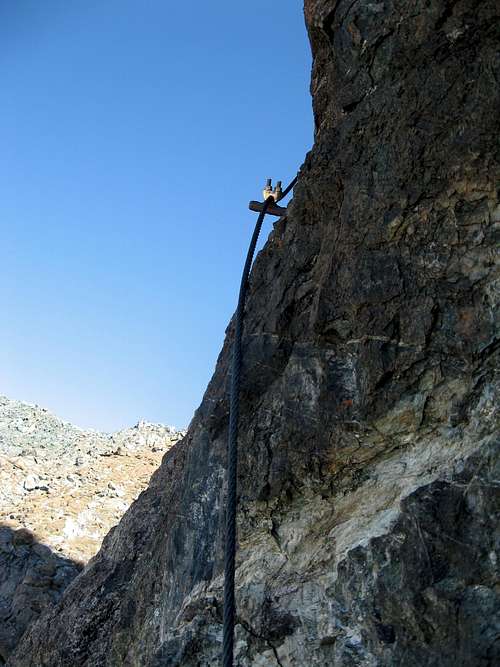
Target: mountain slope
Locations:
point(69, 485)
point(62, 489)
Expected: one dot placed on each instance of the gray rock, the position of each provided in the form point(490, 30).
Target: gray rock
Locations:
point(31, 483)
point(32, 578)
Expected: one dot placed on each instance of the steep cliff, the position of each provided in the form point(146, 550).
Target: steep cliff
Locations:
point(369, 430)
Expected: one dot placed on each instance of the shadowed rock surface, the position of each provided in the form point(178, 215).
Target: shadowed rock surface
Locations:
point(32, 578)
point(369, 425)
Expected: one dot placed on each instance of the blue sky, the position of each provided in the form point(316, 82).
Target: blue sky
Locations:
point(133, 135)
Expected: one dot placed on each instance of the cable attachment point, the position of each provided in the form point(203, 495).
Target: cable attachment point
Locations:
point(268, 191)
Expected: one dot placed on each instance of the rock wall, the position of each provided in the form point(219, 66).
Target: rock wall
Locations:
point(369, 424)
point(32, 578)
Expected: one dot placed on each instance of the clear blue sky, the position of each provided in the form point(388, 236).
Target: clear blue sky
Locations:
point(133, 134)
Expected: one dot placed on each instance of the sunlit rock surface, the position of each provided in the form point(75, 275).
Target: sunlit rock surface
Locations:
point(368, 503)
point(70, 485)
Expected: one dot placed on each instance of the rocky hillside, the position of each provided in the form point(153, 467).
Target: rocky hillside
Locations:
point(27, 429)
point(62, 489)
point(368, 476)
point(69, 485)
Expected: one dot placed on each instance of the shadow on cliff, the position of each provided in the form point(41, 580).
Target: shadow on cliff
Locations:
point(32, 578)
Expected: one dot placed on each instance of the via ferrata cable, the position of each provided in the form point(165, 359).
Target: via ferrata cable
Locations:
point(232, 445)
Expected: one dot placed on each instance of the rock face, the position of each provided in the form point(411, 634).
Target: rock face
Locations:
point(32, 578)
point(369, 424)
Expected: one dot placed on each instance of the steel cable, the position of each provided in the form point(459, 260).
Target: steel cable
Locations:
point(232, 445)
